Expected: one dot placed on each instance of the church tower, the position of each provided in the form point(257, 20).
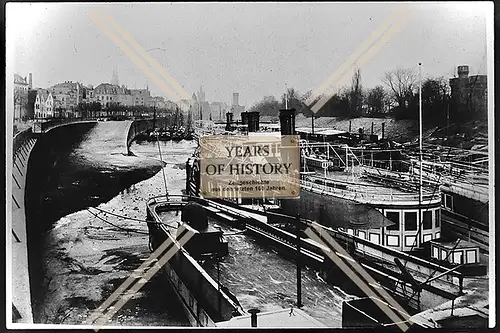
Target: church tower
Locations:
point(114, 78)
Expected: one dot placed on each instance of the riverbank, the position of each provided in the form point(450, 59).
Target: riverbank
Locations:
point(86, 259)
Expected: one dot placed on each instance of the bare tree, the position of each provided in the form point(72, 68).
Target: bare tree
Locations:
point(355, 94)
point(401, 83)
point(376, 100)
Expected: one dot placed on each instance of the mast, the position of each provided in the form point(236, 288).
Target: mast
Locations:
point(286, 97)
point(420, 147)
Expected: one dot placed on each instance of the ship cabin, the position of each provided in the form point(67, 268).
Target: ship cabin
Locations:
point(404, 230)
point(455, 252)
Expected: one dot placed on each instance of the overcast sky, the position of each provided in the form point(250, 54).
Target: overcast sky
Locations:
point(254, 49)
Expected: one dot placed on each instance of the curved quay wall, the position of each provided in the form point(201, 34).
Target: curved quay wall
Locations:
point(141, 126)
point(29, 156)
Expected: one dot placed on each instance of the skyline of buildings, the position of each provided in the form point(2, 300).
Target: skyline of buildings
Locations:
point(63, 99)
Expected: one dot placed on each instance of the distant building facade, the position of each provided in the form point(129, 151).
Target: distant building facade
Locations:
point(218, 111)
point(236, 109)
point(69, 93)
point(44, 104)
point(108, 94)
point(141, 97)
point(21, 87)
point(469, 94)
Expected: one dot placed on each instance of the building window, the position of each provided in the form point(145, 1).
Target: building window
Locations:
point(410, 220)
point(394, 217)
point(362, 234)
point(427, 220)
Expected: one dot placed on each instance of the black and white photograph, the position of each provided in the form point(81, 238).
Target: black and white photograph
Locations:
point(250, 165)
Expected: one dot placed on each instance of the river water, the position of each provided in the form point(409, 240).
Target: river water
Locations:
point(88, 253)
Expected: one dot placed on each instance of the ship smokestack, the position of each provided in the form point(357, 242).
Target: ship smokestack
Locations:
point(287, 121)
point(244, 118)
point(30, 81)
point(253, 121)
point(229, 121)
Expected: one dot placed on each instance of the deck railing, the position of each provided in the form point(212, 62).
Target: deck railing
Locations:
point(364, 193)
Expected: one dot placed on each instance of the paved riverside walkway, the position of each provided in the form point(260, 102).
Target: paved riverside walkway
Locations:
point(19, 273)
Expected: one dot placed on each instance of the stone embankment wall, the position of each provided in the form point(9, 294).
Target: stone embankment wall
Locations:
point(33, 154)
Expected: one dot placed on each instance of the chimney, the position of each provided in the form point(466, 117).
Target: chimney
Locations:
point(383, 130)
point(235, 98)
point(287, 121)
point(253, 121)
point(30, 81)
point(229, 121)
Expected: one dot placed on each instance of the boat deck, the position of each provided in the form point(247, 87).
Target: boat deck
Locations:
point(475, 302)
point(262, 279)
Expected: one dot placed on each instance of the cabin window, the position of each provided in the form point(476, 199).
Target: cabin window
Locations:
point(410, 241)
point(392, 240)
point(362, 234)
point(457, 257)
point(374, 238)
point(394, 217)
point(411, 221)
point(444, 255)
point(448, 201)
point(438, 234)
point(438, 218)
point(435, 252)
point(471, 256)
point(427, 237)
point(427, 220)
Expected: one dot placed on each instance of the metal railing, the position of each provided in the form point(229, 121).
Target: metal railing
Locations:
point(366, 194)
point(44, 126)
point(20, 138)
